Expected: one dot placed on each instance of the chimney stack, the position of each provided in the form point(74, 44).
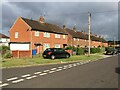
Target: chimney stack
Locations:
point(42, 20)
point(64, 26)
point(74, 28)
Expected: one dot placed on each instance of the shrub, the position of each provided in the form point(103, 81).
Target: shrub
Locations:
point(5, 51)
point(94, 50)
point(80, 51)
point(7, 55)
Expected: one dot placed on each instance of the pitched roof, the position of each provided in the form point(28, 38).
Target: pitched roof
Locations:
point(46, 27)
point(3, 36)
point(80, 35)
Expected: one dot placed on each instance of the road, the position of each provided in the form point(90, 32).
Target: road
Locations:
point(97, 74)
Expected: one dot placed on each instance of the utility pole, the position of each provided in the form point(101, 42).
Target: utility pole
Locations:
point(89, 16)
point(114, 42)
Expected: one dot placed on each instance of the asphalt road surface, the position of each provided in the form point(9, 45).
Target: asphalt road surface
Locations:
point(97, 74)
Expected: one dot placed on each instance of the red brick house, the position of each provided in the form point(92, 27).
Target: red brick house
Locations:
point(77, 38)
point(28, 35)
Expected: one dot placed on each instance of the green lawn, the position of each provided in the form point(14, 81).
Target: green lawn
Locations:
point(39, 60)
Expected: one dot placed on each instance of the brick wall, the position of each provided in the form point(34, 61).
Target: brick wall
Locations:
point(19, 54)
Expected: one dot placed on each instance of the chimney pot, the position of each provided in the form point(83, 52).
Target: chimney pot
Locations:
point(42, 20)
point(64, 26)
point(74, 28)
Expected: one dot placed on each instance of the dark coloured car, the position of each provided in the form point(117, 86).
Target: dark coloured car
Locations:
point(111, 51)
point(55, 53)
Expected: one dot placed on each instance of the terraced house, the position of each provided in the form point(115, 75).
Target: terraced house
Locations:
point(28, 37)
point(80, 38)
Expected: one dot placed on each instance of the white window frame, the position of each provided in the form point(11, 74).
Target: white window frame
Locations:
point(16, 34)
point(46, 34)
point(57, 35)
point(64, 36)
point(74, 39)
point(57, 45)
point(46, 45)
point(37, 33)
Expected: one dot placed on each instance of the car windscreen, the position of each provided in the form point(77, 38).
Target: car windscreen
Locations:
point(58, 50)
point(47, 50)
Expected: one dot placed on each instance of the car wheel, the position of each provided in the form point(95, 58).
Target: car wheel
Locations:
point(67, 56)
point(52, 56)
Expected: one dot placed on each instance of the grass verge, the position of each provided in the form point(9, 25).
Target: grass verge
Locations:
point(7, 63)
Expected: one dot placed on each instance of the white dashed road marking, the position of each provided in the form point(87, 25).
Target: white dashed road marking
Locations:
point(10, 79)
point(37, 72)
point(64, 68)
point(53, 68)
point(31, 77)
point(20, 80)
point(25, 75)
point(58, 69)
point(46, 71)
point(43, 74)
point(51, 71)
point(5, 84)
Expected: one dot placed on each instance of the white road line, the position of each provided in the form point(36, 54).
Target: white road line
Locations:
point(51, 71)
point(20, 80)
point(58, 69)
point(37, 72)
point(5, 84)
point(46, 70)
point(10, 79)
point(25, 75)
point(31, 77)
point(42, 74)
point(53, 68)
point(70, 66)
point(74, 65)
point(78, 63)
point(64, 68)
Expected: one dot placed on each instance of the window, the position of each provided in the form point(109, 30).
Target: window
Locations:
point(46, 45)
point(46, 34)
point(16, 34)
point(63, 36)
point(36, 33)
point(57, 35)
point(57, 45)
point(74, 39)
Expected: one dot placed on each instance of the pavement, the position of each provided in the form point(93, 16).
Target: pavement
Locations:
point(88, 74)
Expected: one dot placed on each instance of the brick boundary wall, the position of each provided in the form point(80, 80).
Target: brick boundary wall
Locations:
point(20, 54)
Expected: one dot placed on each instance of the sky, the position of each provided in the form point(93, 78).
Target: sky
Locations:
point(104, 15)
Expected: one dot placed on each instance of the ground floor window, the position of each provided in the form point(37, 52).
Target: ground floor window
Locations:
point(57, 45)
point(46, 45)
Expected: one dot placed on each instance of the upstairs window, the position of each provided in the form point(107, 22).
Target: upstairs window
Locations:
point(36, 33)
point(74, 39)
point(63, 36)
point(57, 35)
point(46, 34)
point(16, 34)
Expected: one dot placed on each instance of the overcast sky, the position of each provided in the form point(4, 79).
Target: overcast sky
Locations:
point(104, 15)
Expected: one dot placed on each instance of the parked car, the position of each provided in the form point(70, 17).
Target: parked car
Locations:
point(111, 51)
point(55, 53)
